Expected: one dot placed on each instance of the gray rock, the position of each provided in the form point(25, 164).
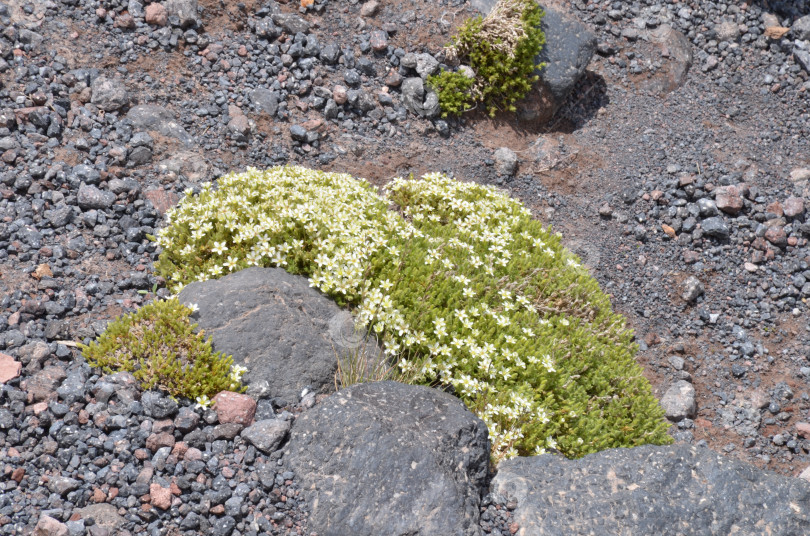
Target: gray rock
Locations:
point(292, 24)
point(7, 143)
point(63, 485)
point(185, 11)
point(266, 435)
point(72, 389)
point(60, 215)
point(109, 94)
point(135, 8)
point(90, 197)
point(408, 60)
point(274, 324)
point(141, 139)
point(417, 99)
point(727, 31)
point(265, 100)
point(85, 173)
point(239, 125)
point(426, 65)
point(803, 57)
point(139, 156)
point(158, 406)
point(801, 28)
point(568, 50)
point(679, 401)
point(187, 164)
point(716, 227)
point(298, 133)
point(692, 289)
point(104, 514)
point(666, 491)
point(707, 207)
point(186, 420)
point(506, 161)
point(330, 53)
point(6, 419)
point(158, 119)
point(390, 459)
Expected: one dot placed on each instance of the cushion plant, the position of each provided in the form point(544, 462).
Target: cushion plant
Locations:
point(464, 289)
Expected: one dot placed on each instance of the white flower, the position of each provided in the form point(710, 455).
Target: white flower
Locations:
point(219, 248)
point(440, 328)
point(231, 263)
point(202, 402)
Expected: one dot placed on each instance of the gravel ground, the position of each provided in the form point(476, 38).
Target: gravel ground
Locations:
point(685, 205)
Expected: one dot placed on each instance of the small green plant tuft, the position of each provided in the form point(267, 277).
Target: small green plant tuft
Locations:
point(501, 49)
point(159, 346)
point(455, 91)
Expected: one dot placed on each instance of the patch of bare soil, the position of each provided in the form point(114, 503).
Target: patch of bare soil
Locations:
point(227, 14)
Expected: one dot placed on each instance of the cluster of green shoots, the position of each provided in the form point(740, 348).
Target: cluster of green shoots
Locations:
point(462, 287)
point(500, 51)
point(158, 344)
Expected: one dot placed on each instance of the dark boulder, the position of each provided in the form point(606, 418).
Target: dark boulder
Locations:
point(277, 326)
point(389, 459)
point(666, 490)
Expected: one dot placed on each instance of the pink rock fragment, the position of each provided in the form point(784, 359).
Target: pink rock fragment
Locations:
point(9, 368)
point(234, 407)
point(160, 497)
point(156, 14)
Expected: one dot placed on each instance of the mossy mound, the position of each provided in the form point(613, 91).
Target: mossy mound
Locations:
point(462, 286)
point(159, 345)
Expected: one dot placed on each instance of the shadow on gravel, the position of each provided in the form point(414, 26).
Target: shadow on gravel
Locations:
point(582, 105)
point(785, 8)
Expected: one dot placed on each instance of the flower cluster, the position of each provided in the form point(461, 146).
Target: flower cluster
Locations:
point(462, 287)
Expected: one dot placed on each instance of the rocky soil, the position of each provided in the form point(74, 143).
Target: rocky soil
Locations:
point(678, 169)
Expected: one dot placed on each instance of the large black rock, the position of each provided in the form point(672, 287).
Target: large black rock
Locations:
point(666, 491)
point(389, 459)
point(286, 333)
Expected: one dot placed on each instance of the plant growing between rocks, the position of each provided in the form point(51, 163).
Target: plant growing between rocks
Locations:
point(500, 50)
point(158, 345)
point(461, 285)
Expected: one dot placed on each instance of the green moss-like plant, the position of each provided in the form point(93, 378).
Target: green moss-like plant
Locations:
point(462, 286)
point(500, 49)
point(159, 346)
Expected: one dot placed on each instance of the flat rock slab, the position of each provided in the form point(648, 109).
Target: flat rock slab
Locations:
point(389, 459)
point(274, 324)
point(666, 491)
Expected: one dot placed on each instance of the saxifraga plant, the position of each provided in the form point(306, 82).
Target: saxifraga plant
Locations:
point(459, 283)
